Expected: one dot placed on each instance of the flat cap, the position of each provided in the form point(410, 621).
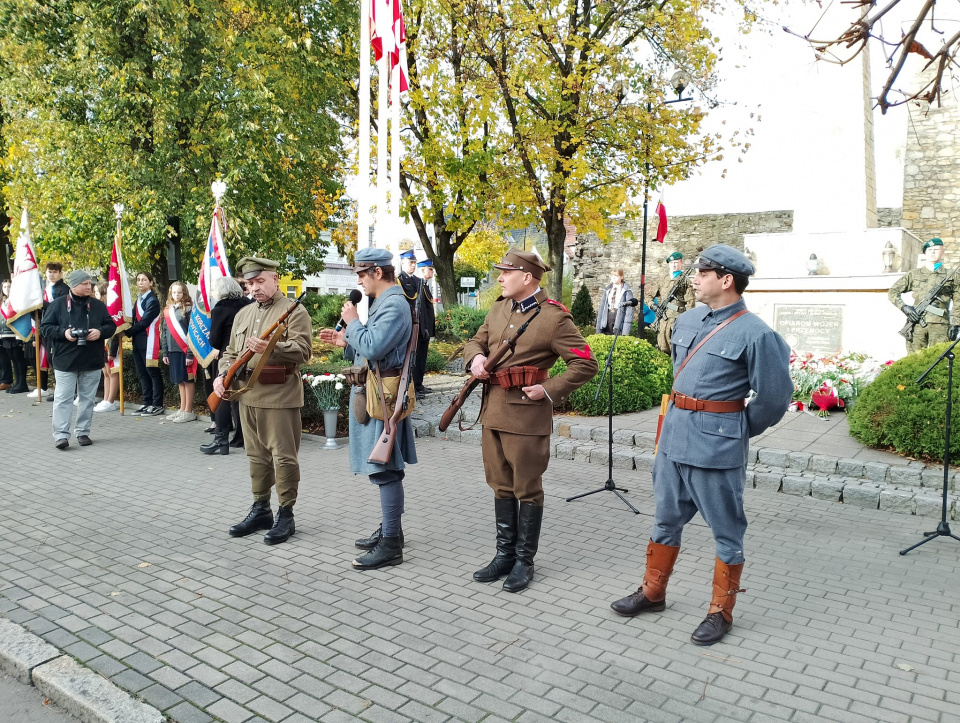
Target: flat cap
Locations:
point(526, 261)
point(78, 277)
point(932, 242)
point(721, 257)
point(250, 267)
point(675, 256)
point(408, 255)
point(370, 257)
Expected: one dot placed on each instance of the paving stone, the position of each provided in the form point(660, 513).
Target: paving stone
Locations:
point(929, 506)
point(21, 652)
point(623, 437)
point(904, 476)
point(823, 464)
point(581, 431)
point(897, 500)
point(796, 485)
point(865, 495)
point(768, 481)
point(826, 489)
point(932, 477)
point(773, 457)
point(876, 471)
point(849, 468)
point(565, 450)
point(798, 460)
point(643, 461)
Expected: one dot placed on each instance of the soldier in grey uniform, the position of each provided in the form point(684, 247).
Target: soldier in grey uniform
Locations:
point(702, 456)
point(383, 339)
point(921, 282)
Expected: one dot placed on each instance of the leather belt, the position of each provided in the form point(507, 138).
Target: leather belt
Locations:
point(682, 401)
point(287, 368)
point(390, 372)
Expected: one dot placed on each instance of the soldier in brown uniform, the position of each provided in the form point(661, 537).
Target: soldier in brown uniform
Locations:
point(517, 421)
point(270, 410)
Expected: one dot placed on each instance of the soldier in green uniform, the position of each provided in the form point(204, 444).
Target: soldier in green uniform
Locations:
point(517, 412)
point(270, 410)
point(921, 282)
point(681, 300)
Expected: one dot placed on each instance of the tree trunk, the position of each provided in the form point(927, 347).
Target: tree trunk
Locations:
point(443, 263)
point(556, 238)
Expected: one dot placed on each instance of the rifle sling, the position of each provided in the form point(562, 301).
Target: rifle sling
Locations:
point(260, 365)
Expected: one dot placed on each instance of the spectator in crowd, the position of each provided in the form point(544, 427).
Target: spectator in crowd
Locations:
point(13, 363)
point(610, 313)
point(111, 375)
point(54, 289)
point(230, 299)
point(175, 350)
point(145, 333)
point(75, 326)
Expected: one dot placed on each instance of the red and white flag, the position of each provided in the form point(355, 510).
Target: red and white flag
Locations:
point(661, 221)
point(119, 299)
point(213, 266)
point(388, 34)
point(26, 291)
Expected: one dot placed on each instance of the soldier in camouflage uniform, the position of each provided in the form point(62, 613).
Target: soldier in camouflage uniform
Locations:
point(921, 282)
point(682, 300)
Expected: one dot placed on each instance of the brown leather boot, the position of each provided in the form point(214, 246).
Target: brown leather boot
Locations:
point(719, 620)
point(652, 595)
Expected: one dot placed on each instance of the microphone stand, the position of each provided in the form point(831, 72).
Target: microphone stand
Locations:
point(608, 370)
point(943, 529)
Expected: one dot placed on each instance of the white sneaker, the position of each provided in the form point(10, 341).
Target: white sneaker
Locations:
point(185, 417)
point(106, 406)
point(44, 392)
point(175, 417)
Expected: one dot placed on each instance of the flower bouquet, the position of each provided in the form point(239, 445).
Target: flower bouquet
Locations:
point(326, 388)
point(831, 381)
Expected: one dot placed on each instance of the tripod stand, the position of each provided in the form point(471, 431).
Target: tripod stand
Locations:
point(943, 529)
point(608, 372)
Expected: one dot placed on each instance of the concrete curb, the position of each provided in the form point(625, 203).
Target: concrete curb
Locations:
point(77, 690)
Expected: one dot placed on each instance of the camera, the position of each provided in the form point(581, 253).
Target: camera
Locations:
point(80, 335)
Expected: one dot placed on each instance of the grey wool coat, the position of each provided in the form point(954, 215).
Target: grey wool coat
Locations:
point(383, 338)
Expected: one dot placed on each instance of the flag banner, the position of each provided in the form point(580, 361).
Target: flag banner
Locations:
point(213, 266)
point(153, 335)
point(26, 291)
point(388, 34)
point(399, 54)
point(179, 336)
point(661, 221)
point(119, 299)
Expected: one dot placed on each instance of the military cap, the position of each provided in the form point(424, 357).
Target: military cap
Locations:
point(675, 256)
point(249, 267)
point(721, 257)
point(408, 255)
point(932, 242)
point(428, 263)
point(526, 261)
point(78, 277)
point(371, 257)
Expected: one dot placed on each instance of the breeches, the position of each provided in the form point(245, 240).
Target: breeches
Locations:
point(665, 333)
point(514, 464)
point(272, 441)
point(682, 490)
point(930, 335)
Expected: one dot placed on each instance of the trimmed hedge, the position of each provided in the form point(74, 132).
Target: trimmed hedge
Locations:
point(893, 411)
point(459, 323)
point(324, 309)
point(641, 375)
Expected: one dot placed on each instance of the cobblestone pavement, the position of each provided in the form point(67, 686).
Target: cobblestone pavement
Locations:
point(118, 555)
point(20, 703)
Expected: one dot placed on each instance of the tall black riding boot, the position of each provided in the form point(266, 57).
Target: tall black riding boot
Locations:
point(528, 540)
point(502, 563)
point(283, 527)
point(260, 517)
point(19, 376)
point(218, 445)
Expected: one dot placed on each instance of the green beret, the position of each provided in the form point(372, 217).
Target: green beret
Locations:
point(675, 256)
point(250, 267)
point(932, 242)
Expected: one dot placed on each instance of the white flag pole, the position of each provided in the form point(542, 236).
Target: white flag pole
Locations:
point(363, 152)
point(383, 94)
point(395, 152)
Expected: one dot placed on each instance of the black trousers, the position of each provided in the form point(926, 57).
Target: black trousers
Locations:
point(151, 380)
point(420, 361)
point(6, 366)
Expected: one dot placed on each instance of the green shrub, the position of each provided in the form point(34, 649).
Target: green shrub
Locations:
point(893, 411)
point(436, 362)
point(459, 323)
point(324, 309)
point(582, 309)
point(641, 375)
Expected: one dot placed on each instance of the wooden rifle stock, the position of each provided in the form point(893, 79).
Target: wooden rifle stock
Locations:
point(213, 401)
point(383, 447)
point(490, 365)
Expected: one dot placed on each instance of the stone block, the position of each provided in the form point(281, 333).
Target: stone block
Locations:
point(821, 464)
point(904, 476)
point(796, 485)
point(622, 459)
point(599, 434)
point(422, 428)
point(563, 429)
point(752, 455)
point(472, 436)
point(623, 437)
point(751, 479)
point(643, 461)
point(645, 440)
point(580, 431)
point(452, 434)
point(582, 452)
point(876, 471)
point(849, 468)
point(866, 496)
point(772, 457)
point(565, 450)
point(930, 506)
point(898, 500)
point(89, 696)
point(932, 477)
point(21, 651)
point(826, 489)
point(599, 455)
point(798, 460)
point(769, 481)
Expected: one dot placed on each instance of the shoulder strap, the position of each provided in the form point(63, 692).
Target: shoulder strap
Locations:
point(707, 338)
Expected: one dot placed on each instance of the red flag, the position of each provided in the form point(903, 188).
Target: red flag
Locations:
point(388, 34)
point(399, 54)
point(661, 222)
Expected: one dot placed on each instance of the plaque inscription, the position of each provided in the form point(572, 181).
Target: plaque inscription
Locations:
point(810, 327)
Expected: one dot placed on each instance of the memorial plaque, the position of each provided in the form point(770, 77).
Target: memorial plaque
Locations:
point(810, 327)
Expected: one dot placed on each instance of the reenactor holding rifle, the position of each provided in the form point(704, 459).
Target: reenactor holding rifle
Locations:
point(271, 399)
point(517, 410)
point(928, 318)
point(674, 295)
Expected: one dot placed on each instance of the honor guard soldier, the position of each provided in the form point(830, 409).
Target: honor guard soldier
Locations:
point(270, 409)
point(720, 353)
point(418, 294)
point(674, 304)
point(922, 282)
point(383, 340)
point(517, 414)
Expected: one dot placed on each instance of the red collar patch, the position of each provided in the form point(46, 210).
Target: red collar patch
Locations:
point(582, 353)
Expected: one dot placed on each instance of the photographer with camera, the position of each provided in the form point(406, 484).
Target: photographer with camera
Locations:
point(71, 325)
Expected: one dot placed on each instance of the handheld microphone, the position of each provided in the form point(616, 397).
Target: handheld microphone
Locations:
point(355, 296)
point(629, 302)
